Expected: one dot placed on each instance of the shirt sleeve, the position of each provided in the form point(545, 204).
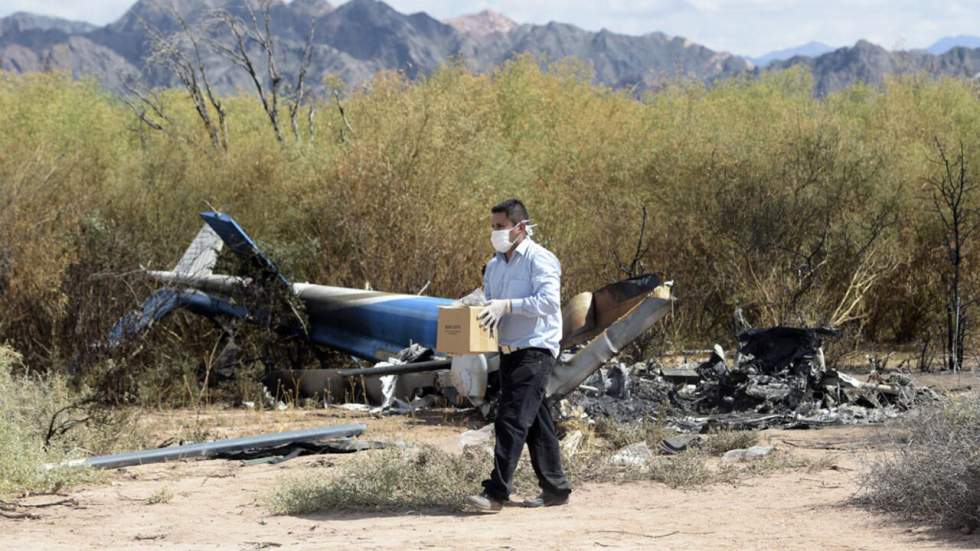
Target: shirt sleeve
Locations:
point(545, 296)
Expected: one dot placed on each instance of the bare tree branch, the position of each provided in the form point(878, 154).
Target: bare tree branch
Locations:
point(169, 51)
point(635, 266)
point(347, 128)
point(298, 97)
point(951, 194)
point(262, 36)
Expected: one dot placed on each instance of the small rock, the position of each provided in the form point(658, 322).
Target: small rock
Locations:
point(748, 454)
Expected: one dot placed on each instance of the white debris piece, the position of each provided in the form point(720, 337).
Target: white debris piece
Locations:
point(748, 454)
point(481, 438)
point(353, 407)
point(571, 442)
point(567, 411)
point(389, 384)
point(634, 455)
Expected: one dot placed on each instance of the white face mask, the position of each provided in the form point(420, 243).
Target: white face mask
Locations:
point(500, 239)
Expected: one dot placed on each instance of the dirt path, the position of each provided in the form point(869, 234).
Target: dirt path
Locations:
point(218, 505)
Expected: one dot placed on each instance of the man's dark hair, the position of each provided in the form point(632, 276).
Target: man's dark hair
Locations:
point(514, 209)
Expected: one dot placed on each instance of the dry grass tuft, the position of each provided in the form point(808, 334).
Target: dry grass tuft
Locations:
point(164, 495)
point(720, 442)
point(688, 469)
point(619, 435)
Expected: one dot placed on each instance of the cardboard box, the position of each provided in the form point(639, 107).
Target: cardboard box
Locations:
point(460, 332)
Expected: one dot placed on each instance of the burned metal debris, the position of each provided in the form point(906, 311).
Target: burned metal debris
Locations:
point(778, 378)
point(324, 439)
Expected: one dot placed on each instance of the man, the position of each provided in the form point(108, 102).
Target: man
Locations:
point(522, 284)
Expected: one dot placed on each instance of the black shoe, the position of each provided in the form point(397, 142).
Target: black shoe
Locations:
point(546, 500)
point(484, 503)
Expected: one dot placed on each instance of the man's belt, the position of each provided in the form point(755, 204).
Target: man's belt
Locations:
point(504, 349)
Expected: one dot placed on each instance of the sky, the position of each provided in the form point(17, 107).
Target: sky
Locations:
point(744, 27)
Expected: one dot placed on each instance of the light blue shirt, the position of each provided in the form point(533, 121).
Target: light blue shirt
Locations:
point(532, 282)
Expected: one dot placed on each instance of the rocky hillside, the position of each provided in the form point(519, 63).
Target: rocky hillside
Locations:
point(867, 62)
point(352, 41)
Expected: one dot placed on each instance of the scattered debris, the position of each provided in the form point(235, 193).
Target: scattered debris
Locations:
point(676, 444)
point(17, 515)
point(364, 408)
point(262, 544)
point(23, 503)
point(397, 406)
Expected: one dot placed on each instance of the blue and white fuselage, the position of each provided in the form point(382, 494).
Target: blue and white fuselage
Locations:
point(369, 324)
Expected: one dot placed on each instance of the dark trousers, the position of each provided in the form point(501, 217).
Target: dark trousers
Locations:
point(523, 415)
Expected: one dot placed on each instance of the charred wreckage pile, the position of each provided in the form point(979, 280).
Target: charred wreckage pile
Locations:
point(779, 378)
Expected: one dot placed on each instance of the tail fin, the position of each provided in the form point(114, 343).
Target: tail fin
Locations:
point(202, 254)
point(240, 243)
point(281, 306)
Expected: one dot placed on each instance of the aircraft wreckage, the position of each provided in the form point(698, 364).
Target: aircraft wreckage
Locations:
point(395, 329)
point(778, 378)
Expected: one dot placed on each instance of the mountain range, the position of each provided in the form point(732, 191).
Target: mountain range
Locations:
point(810, 49)
point(360, 37)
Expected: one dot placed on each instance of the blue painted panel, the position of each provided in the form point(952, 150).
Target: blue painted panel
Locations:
point(385, 326)
point(162, 303)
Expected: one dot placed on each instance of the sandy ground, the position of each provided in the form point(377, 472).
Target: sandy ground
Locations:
point(218, 504)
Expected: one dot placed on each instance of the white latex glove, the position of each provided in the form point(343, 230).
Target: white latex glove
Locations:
point(492, 313)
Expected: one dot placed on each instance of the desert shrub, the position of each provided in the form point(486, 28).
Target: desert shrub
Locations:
point(799, 210)
point(620, 434)
point(43, 421)
point(163, 495)
point(390, 479)
point(933, 475)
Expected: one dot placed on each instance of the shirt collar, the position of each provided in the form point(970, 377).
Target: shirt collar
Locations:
point(521, 248)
